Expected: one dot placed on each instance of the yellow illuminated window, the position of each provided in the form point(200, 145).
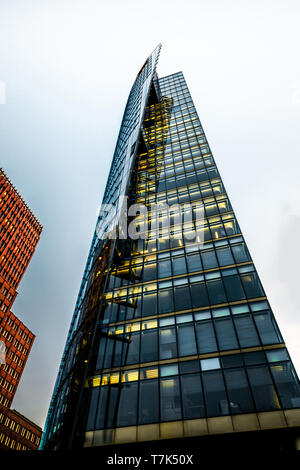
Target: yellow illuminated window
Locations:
point(97, 381)
point(105, 379)
point(149, 324)
point(132, 327)
point(114, 378)
point(151, 373)
point(119, 330)
point(130, 376)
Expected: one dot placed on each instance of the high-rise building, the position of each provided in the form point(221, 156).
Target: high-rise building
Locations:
point(19, 234)
point(17, 432)
point(172, 337)
point(17, 340)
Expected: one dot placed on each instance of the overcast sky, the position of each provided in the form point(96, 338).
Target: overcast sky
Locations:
point(67, 67)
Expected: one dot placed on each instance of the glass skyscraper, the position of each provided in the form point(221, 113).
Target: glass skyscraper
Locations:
point(171, 337)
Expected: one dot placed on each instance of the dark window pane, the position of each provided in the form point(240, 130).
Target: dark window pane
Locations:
point(149, 304)
point(149, 347)
point(101, 353)
point(182, 298)
point(199, 295)
point(118, 353)
point(267, 328)
point(226, 334)
point(216, 291)
point(189, 366)
point(206, 337)
point(122, 313)
point(233, 360)
point(167, 343)
point(192, 398)
point(112, 400)
point(263, 390)
point(287, 384)
point(133, 349)
point(246, 331)
point(108, 353)
point(239, 395)
point(93, 409)
point(100, 419)
point(253, 358)
point(164, 268)
point(215, 395)
point(148, 403)
point(240, 253)
point(234, 288)
point(179, 265)
point(194, 263)
point(165, 300)
point(224, 256)
point(170, 399)
point(252, 285)
point(149, 272)
point(209, 259)
point(186, 340)
point(127, 413)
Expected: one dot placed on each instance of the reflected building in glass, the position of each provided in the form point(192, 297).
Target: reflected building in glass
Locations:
point(170, 339)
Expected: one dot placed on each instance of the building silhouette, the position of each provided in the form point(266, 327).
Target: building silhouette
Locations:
point(173, 340)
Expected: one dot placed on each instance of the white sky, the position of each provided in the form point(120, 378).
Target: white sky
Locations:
point(68, 66)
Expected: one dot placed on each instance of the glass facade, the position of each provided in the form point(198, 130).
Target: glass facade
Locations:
point(165, 329)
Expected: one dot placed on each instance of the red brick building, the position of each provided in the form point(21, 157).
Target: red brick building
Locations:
point(18, 340)
point(17, 432)
point(19, 234)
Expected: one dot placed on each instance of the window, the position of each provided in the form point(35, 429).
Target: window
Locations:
point(167, 340)
point(149, 304)
point(179, 265)
point(199, 295)
point(167, 370)
point(206, 337)
point(148, 402)
point(101, 411)
point(267, 328)
point(240, 253)
point(133, 349)
point(210, 364)
point(209, 259)
point(216, 291)
point(127, 414)
point(149, 347)
point(170, 399)
point(194, 263)
point(246, 331)
point(239, 395)
point(224, 256)
point(233, 287)
point(182, 297)
point(192, 397)
point(165, 298)
point(215, 395)
point(226, 334)
point(263, 391)
point(252, 285)
point(186, 340)
point(287, 384)
point(164, 268)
